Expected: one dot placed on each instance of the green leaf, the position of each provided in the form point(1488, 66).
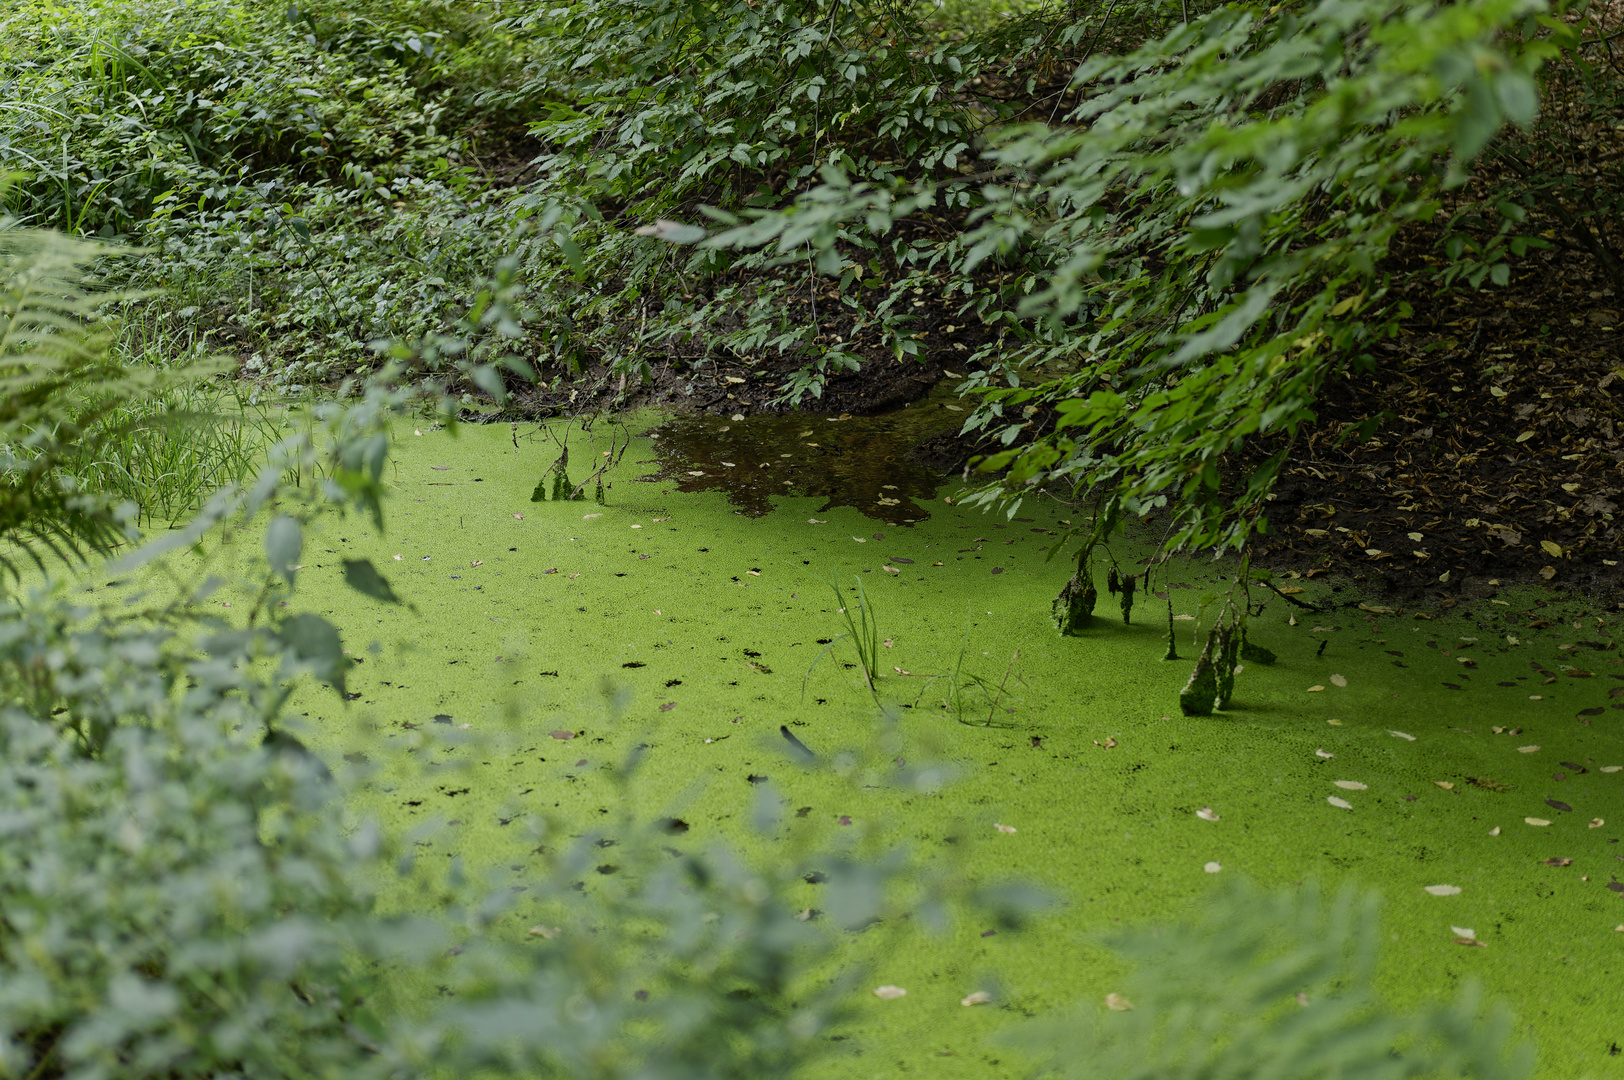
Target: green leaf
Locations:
point(572, 254)
point(284, 541)
point(363, 577)
point(1518, 96)
point(315, 641)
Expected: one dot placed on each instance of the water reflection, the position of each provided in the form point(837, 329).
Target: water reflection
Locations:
point(856, 461)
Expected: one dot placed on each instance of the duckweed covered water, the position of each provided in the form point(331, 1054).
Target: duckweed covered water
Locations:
point(550, 639)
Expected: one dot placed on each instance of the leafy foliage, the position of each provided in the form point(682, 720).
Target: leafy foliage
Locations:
point(1270, 985)
point(304, 173)
point(63, 401)
point(1200, 241)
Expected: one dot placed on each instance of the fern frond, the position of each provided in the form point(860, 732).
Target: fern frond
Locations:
point(59, 388)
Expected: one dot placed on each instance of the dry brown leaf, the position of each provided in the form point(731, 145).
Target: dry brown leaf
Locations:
point(1117, 1003)
point(889, 992)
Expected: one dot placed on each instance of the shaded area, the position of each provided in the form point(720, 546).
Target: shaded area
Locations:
point(857, 461)
point(1495, 453)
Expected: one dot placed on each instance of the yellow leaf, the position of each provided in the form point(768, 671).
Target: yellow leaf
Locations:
point(1553, 549)
point(1537, 822)
point(1117, 1003)
point(1525, 436)
point(1445, 784)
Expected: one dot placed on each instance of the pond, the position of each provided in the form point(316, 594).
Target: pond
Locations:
point(700, 617)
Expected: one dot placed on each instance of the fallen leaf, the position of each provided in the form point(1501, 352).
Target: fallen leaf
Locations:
point(518, 517)
point(1291, 590)
point(1213, 868)
point(397, 558)
point(1351, 785)
point(1495, 831)
point(668, 706)
point(1316, 688)
point(1555, 804)
point(1537, 822)
point(1324, 754)
point(1334, 723)
point(1470, 941)
point(548, 932)
point(550, 570)
point(815, 521)
point(1176, 618)
point(440, 468)
point(1117, 1003)
point(1110, 742)
point(1207, 813)
point(1527, 749)
point(589, 517)
point(1339, 680)
point(1611, 768)
point(1465, 932)
point(1443, 890)
point(477, 562)
point(859, 539)
point(1003, 828)
point(1547, 572)
point(753, 573)
point(1554, 550)
point(889, 992)
point(1596, 823)
point(1402, 735)
point(1340, 804)
point(561, 734)
point(1445, 784)
point(1556, 861)
point(980, 997)
point(893, 570)
point(1374, 609)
